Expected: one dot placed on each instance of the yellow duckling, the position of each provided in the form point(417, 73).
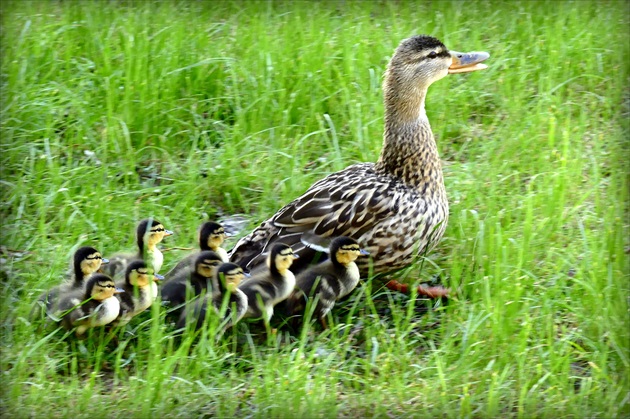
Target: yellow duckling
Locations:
point(138, 295)
point(96, 306)
point(328, 281)
point(187, 285)
point(266, 289)
point(224, 294)
point(211, 237)
point(85, 261)
point(149, 233)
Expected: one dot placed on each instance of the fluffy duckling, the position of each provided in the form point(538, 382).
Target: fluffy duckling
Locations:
point(85, 261)
point(138, 295)
point(211, 237)
point(227, 279)
point(96, 306)
point(330, 280)
point(149, 234)
point(198, 281)
point(266, 289)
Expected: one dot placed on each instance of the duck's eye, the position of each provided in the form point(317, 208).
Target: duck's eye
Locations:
point(432, 54)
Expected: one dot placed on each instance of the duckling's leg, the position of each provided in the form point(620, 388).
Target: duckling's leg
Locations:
point(431, 292)
point(322, 321)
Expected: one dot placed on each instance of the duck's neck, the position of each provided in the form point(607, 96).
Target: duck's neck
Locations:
point(409, 149)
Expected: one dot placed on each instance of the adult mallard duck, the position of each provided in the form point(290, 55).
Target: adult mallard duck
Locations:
point(397, 207)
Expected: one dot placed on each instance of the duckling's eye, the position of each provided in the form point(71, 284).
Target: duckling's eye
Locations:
point(432, 54)
point(157, 230)
point(94, 257)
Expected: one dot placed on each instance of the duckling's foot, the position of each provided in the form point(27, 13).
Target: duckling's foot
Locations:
point(431, 292)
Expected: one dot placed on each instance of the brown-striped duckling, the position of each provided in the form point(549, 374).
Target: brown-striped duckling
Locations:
point(149, 233)
point(329, 280)
point(85, 261)
point(267, 288)
point(211, 237)
point(95, 306)
point(225, 295)
point(138, 295)
point(187, 285)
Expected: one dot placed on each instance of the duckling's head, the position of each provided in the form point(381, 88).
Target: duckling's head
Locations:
point(211, 235)
point(150, 232)
point(101, 287)
point(207, 263)
point(87, 260)
point(280, 258)
point(229, 275)
point(140, 275)
point(345, 250)
point(418, 62)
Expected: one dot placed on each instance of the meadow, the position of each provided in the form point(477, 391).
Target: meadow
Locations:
point(187, 111)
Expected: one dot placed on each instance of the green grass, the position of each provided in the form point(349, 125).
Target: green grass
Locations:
point(115, 111)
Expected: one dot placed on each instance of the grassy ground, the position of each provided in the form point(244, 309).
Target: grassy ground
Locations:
point(115, 111)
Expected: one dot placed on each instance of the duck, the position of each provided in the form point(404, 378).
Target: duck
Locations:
point(95, 306)
point(186, 285)
point(211, 237)
point(267, 288)
point(85, 261)
point(396, 207)
point(138, 294)
point(226, 292)
point(149, 233)
point(329, 280)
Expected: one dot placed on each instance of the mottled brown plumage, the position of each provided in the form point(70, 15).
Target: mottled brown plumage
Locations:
point(395, 208)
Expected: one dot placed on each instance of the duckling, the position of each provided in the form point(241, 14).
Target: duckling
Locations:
point(227, 279)
point(85, 261)
point(149, 233)
point(138, 295)
point(198, 281)
point(96, 306)
point(397, 207)
point(211, 237)
point(329, 280)
point(266, 289)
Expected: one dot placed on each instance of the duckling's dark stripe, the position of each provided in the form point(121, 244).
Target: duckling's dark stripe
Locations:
point(351, 248)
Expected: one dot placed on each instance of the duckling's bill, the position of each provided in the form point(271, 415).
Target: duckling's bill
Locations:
point(157, 277)
point(465, 62)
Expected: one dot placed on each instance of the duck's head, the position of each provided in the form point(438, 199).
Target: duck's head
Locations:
point(101, 287)
point(150, 232)
point(421, 60)
point(211, 236)
point(345, 250)
point(229, 276)
point(138, 274)
point(207, 263)
point(87, 260)
point(281, 257)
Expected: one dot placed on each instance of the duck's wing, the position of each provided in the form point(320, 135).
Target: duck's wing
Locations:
point(346, 203)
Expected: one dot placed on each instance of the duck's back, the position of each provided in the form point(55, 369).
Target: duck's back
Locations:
point(392, 220)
